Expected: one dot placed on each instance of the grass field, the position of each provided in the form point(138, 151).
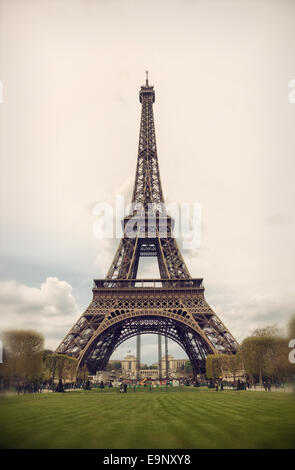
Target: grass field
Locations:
point(196, 419)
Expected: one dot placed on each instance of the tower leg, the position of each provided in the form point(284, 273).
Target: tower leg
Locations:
point(166, 357)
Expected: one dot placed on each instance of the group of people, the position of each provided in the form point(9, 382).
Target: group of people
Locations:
point(123, 388)
point(28, 388)
point(31, 387)
point(217, 386)
point(267, 385)
point(238, 385)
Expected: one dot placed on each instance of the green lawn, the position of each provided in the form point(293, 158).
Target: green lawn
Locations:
point(200, 419)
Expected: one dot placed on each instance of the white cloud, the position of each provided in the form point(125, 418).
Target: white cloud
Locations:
point(245, 313)
point(50, 309)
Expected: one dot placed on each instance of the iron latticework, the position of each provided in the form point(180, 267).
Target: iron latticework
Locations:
point(123, 306)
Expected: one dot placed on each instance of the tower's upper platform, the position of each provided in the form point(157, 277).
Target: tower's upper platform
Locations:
point(146, 91)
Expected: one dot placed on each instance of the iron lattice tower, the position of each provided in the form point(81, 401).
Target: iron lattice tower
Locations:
point(122, 306)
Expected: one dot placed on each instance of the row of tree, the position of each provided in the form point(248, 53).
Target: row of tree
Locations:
point(263, 356)
point(25, 361)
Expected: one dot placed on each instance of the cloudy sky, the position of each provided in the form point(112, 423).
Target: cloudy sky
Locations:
point(71, 72)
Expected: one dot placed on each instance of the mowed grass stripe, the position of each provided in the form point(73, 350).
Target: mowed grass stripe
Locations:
point(149, 420)
point(200, 417)
point(239, 416)
point(166, 402)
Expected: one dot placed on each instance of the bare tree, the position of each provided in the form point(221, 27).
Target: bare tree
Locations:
point(63, 366)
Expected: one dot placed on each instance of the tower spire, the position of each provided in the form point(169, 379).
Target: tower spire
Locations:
point(147, 78)
point(147, 185)
point(147, 200)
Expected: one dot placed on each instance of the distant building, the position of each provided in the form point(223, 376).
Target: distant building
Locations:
point(129, 367)
point(129, 363)
point(173, 364)
point(149, 373)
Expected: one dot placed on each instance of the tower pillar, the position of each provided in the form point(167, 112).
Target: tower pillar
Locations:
point(138, 354)
point(160, 356)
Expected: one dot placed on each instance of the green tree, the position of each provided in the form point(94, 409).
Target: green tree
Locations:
point(188, 369)
point(46, 371)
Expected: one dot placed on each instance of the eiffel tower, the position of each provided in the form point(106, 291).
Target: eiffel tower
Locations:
point(123, 306)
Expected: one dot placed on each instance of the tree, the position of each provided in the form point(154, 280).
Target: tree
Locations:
point(63, 366)
point(46, 370)
point(216, 364)
point(188, 369)
point(234, 364)
point(254, 352)
point(50, 363)
point(117, 365)
point(209, 367)
point(280, 369)
point(23, 351)
point(270, 331)
point(82, 374)
point(113, 365)
point(265, 355)
point(291, 328)
point(60, 387)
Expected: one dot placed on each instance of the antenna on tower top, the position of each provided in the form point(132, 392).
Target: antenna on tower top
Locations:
point(147, 78)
